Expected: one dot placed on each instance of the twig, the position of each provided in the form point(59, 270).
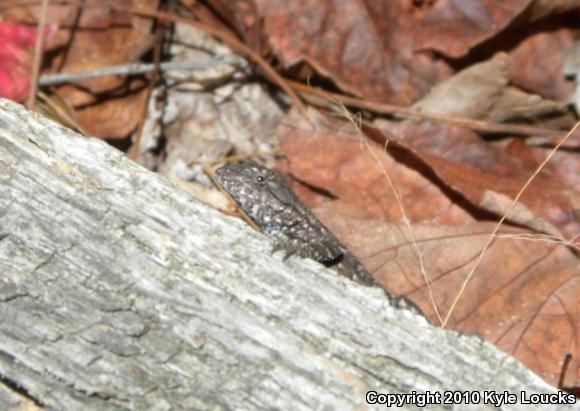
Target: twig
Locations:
point(484, 126)
point(290, 86)
point(133, 69)
point(37, 62)
point(564, 370)
point(160, 32)
point(230, 40)
point(500, 222)
point(404, 219)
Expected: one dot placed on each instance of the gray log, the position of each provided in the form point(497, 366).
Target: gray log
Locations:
point(120, 291)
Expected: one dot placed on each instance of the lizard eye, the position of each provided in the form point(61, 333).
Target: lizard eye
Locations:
point(260, 179)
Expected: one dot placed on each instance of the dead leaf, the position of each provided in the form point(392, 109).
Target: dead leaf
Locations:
point(536, 64)
point(565, 164)
point(518, 106)
point(471, 93)
point(481, 92)
point(382, 50)
point(490, 179)
point(523, 296)
point(542, 8)
point(95, 37)
point(17, 44)
point(341, 165)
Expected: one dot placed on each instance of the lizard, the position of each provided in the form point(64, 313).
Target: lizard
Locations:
point(272, 205)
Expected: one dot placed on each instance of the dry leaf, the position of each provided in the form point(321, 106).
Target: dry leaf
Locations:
point(536, 64)
point(522, 297)
point(481, 92)
point(382, 49)
point(95, 37)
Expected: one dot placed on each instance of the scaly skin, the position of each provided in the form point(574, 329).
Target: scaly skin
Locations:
point(273, 206)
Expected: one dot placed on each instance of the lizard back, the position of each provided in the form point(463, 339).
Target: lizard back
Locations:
point(275, 208)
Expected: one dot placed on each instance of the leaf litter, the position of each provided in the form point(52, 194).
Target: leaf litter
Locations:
point(415, 198)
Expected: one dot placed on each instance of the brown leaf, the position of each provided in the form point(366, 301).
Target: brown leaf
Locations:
point(565, 164)
point(241, 15)
point(490, 179)
point(95, 37)
point(522, 297)
point(542, 8)
point(481, 92)
point(482, 176)
point(516, 105)
point(471, 93)
point(341, 165)
point(536, 64)
point(381, 49)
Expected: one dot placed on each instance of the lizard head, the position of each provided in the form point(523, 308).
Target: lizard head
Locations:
point(251, 184)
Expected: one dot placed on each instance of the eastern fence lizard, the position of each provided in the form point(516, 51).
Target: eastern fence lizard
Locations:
point(273, 206)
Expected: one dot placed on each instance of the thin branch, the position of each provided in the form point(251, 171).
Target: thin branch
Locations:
point(478, 125)
point(160, 35)
point(134, 69)
point(500, 222)
point(228, 39)
point(404, 219)
point(37, 62)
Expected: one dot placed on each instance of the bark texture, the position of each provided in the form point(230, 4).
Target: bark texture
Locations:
point(119, 291)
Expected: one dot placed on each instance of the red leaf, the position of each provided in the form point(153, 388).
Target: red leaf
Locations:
point(16, 52)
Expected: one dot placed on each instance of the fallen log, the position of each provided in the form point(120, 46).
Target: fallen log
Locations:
point(119, 291)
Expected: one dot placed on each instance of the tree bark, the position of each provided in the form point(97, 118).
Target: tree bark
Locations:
point(119, 291)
